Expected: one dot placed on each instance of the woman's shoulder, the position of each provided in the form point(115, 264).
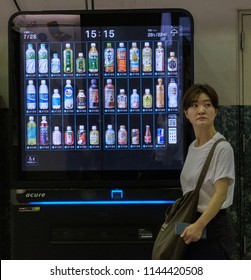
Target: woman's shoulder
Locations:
point(223, 145)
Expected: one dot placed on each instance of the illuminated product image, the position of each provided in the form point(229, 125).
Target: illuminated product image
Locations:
point(104, 97)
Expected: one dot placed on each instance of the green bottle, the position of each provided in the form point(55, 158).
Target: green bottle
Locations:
point(68, 59)
point(31, 132)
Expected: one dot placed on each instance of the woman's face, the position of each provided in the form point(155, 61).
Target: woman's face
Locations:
point(201, 113)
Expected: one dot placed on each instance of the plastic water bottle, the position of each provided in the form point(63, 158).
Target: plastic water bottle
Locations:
point(31, 132)
point(56, 136)
point(31, 96)
point(172, 94)
point(56, 100)
point(55, 64)
point(109, 135)
point(68, 95)
point(43, 96)
point(134, 99)
point(42, 60)
point(30, 60)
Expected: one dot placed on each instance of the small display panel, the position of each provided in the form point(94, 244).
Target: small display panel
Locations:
point(100, 90)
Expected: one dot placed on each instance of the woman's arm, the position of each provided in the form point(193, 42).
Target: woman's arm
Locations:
point(194, 231)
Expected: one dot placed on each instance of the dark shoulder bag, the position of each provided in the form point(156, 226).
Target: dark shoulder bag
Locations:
point(168, 245)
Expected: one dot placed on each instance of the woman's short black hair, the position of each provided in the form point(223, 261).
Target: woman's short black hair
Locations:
point(193, 93)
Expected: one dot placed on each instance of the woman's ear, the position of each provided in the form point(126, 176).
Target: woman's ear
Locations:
point(185, 112)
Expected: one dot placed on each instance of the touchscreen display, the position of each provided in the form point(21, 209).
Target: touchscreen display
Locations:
point(102, 96)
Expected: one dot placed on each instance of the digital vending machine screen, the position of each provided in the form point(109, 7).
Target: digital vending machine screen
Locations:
point(102, 91)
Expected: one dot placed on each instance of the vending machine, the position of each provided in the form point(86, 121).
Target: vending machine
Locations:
point(98, 132)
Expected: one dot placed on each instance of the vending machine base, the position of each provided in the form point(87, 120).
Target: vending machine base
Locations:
point(84, 229)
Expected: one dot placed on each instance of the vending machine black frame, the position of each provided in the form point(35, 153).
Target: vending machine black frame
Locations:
point(128, 177)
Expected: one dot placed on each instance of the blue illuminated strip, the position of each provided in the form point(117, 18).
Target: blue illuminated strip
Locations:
point(102, 202)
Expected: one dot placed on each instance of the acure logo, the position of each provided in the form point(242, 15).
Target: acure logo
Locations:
point(33, 194)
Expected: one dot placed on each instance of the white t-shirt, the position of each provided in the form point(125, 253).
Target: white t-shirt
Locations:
point(221, 166)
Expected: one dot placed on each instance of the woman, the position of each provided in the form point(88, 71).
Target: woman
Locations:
point(201, 106)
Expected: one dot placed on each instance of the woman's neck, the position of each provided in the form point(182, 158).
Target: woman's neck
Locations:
point(203, 136)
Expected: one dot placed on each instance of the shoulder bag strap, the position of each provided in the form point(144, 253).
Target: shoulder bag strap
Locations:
point(206, 165)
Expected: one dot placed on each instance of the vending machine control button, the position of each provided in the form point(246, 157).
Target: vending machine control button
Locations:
point(117, 194)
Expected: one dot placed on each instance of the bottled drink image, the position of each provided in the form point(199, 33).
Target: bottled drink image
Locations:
point(80, 63)
point(55, 64)
point(147, 58)
point(122, 135)
point(109, 95)
point(148, 135)
point(134, 58)
point(121, 58)
point(30, 58)
point(172, 62)
point(159, 58)
point(94, 136)
point(56, 100)
point(31, 132)
point(68, 95)
point(135, 136)
point(109, 135)
point(134, 99)
point(122, 99)
point(172, 94)
point(93, 95)
point(31, 96)
point(69, 136)
point(109, 58)
point(160, 94)
point(68, 58)
point(43, 96)
point(147, 99)
point(44, 132)
point(81, 100)
point(56, 136)
point(43, 59)
point(93, 59)
point(81, 137)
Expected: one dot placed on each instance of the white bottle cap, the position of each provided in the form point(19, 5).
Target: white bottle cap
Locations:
point(94, 127)
point(68, 128)
point(81, 127)
point(109, 126)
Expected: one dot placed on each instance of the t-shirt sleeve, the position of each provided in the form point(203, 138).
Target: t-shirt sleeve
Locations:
point(224, 163)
